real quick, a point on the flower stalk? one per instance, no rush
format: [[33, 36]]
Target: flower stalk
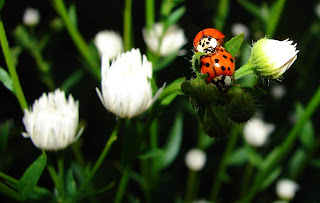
[[12, 69], [77, 38]]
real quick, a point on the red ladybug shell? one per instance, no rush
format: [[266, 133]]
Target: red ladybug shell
[[208, 32], [219, 63]]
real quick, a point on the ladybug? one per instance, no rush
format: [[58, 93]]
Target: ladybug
[[207, 40], [218, 66]]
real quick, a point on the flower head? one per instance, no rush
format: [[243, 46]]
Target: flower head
[[257, 131], [286, 189], [195, 159], [31, 17], [125, 86], [271, 58], [170, 41], [108, 43], [52, 122]]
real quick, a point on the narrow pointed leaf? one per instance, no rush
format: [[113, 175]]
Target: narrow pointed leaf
[[171, 91], [234, 44], [173, 144], [8, 191], [1, 4], [30, 178], [252, 8], [272, 177], [71, 186], [174, 17], [6, 80], [73, 15]]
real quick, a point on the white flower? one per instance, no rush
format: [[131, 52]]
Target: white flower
[[108, 43], [286, 189], [271, 58], [52, 122], [195, 159], [31, 17], [317, 9], [256, 132], [171, 42], [239, 28], [278, 91], [125, 85]]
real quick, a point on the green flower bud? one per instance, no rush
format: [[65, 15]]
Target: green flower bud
[[241, 107], [202, 93], [214, 121]]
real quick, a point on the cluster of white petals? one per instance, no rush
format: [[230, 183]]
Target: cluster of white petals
[[52, 121], [256, 132], [109, 43], [171, 40], [286, 189], [272, 58], [31, 17], [195, 159], [125, 84]]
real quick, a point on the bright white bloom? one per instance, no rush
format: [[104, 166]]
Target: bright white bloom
[[239, 28], [286, 189], [125, 85], [317, 9], [31, 17], [53, 121], [195, 159], [172, 39], [256, 132], [108, 43], [278, 91], [271, 58]]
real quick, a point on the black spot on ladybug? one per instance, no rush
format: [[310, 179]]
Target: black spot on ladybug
[[207, 64], [207, 42], [223, 68], [202, 45], [216, 60], [231, 60], [224, 56], [228, 68], [221, 50], [209, 39]]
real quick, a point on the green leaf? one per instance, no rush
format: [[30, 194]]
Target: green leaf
[[71, 186], [238, 157], [8, 191], [173, 143], [307, 135], [171, 91], [73, 15], [6, 80], [234, 44], [24, 38], [164, 62], [254, 158], [30, 178], [152, 154], [15, 52], [195, 61], [274, 16], [221, 14], [174, 17], [72, 80], [1, 4], [296, 162], [167, 6], [272, 177], [252, 8], [4, 134]]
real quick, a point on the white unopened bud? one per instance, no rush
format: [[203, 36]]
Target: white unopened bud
[[195, 159]]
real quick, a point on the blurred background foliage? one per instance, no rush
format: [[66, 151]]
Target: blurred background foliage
[[298, 22]]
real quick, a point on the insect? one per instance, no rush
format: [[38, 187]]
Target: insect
[[208, 40], [219, 66]]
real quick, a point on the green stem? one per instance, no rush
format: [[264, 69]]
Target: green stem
[[12, 69], [61, 174], [285, 147], [273, 18], [246, 179], [112, 138], [77, 38], [190, 187], [223, 163], [149, 13], [243, 71], [44, 69], [123, 184], [127, 29]]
